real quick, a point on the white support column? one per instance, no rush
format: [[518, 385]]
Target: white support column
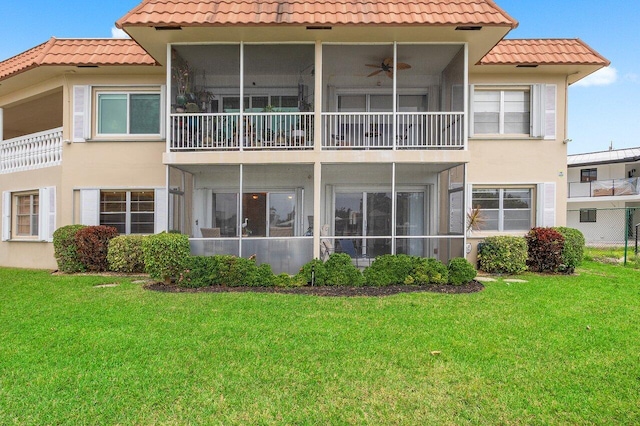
[[241, 123], [317, 108], [395, 96], [393, 207], [241, 221], [317, 207], [1, 124], [466, 97], [168, 122]]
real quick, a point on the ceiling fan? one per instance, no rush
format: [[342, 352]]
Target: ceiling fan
[[386, 66]]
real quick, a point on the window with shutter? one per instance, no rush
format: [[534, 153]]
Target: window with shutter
[[528, 111]]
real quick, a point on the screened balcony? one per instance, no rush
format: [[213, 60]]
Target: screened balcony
[[372, 97]]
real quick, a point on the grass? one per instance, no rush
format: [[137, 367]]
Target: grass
[[553, 350]]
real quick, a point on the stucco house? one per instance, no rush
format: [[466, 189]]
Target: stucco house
[[276, 128], [604, 195]]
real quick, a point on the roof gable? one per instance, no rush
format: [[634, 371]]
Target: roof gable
[[77, 52], [316, 12], [543, 52]]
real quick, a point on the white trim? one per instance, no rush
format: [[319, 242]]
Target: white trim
[[6, 215]]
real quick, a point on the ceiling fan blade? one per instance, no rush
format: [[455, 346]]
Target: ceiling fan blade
[[372, 65], [390, 74], [374, 73], [402, 66], [388, 61]]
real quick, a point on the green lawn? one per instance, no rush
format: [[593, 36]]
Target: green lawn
[[554, 350]]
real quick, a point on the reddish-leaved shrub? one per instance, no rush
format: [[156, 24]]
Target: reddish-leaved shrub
[[545, 249], [93, 245]]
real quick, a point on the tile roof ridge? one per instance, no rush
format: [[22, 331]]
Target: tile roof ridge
[[514, 22]]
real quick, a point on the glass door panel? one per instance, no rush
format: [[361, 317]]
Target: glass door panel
[[225, 208], [282, 212], [254, 211], [348, 214]]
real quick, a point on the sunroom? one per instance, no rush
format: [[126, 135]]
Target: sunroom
[[301, 96], [287, 214]]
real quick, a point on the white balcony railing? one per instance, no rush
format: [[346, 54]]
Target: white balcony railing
[[440, 130], [272, 130], [294, 130], [34, 151], [604, 188]]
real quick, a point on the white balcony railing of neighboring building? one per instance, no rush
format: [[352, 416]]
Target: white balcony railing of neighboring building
[[604, 188], [295, 130], [34, 151]]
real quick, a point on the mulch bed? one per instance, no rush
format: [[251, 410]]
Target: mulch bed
[[335, 291]]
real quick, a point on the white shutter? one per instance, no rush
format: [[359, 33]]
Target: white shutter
[[6, 216], [81, 113], [160, 210], [47, 216], [163, 122], [90, 207], [537, 110], [546, 215], [550, 111], [472, 89]]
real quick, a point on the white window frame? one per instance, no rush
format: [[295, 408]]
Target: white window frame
[[34, 218], [501, 209], [128, 211], [542, 110], [128, 91], [501, 110], [44, 220]]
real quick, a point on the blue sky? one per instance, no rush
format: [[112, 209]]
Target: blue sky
[[602, 109]]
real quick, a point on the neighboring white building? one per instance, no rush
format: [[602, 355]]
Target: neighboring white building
[[604, 195]]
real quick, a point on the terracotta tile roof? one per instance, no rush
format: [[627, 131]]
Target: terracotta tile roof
[[543, 52], [316, 12], [77, 52]]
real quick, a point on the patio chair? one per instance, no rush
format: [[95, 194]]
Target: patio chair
[[347, 246]]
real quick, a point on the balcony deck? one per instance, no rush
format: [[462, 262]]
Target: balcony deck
[[33, 151], [604, 188], [295, 131]]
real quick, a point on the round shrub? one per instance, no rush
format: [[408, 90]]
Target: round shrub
[[165, 255], [461, 271], [503, 255], [389, 269], [66, 250], [340, 271], [313, 272], [93, 244], [428, 270], [545, 249], [125, 254], [573, 250]]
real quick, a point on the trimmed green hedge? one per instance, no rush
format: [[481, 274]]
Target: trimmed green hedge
[[461, 271], [66, 249], [125, 254], [503, 254], [166, 255], [573, 250]]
